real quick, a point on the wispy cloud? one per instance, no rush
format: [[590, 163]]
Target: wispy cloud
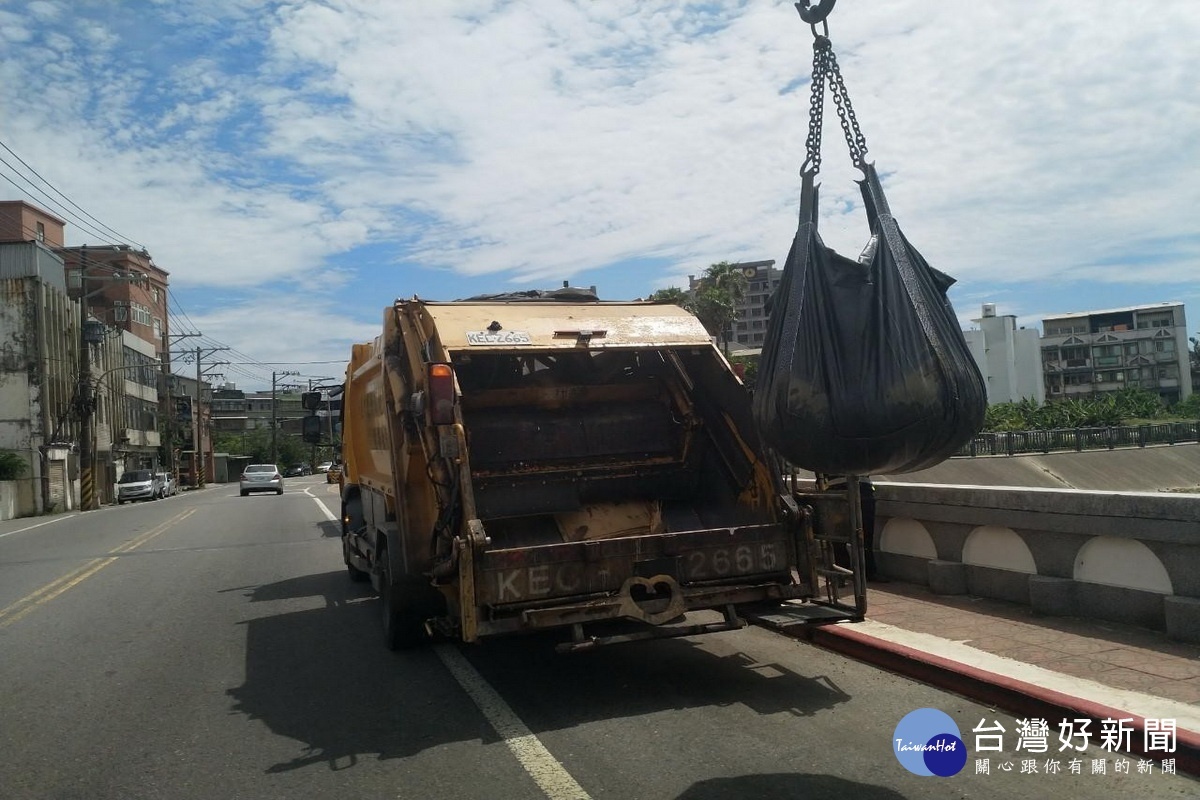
[[417, 148]]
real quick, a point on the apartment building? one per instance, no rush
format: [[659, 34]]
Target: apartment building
[[124, 288], [750, 326], [1143, 347]]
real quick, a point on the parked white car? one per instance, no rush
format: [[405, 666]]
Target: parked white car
[[138, 484], [166, 484]]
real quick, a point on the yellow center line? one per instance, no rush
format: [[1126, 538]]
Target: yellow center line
[[45, 594]]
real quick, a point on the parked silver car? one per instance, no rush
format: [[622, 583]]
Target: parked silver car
[[261, 478], [138, 484]]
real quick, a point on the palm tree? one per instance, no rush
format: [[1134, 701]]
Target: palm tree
[[721, 289], [677, 296]]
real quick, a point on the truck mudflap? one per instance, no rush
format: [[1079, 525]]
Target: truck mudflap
[[651, 579]]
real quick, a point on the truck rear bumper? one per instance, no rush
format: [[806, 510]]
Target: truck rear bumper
[[655, 601]]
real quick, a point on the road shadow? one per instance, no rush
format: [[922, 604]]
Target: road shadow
[[322, 676], [787, 786]]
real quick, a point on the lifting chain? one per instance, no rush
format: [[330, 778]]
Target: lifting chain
[[826, 70]]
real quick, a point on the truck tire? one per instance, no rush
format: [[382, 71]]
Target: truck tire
[[356, 574], [406, 602], [352, 518]]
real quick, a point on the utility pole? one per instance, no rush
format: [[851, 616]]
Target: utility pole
[[274, 415], [168, 414], [198, 416], [90, 332], [87, 480]]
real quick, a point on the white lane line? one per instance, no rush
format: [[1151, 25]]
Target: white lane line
[[40, 524], [547, 773], [329, 515]]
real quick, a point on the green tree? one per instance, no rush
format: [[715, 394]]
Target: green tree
[[677, 296], [721, 288], [256, 444], [749, 367], [1188, 409], [12, 466]]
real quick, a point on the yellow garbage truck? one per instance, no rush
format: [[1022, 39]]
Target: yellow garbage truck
[[545, 460]]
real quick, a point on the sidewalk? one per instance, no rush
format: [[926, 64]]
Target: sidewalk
[[1001, 653]]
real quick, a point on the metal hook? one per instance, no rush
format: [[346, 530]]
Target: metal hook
[[814, 15]]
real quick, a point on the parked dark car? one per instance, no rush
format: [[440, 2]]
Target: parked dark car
[[298, 470]]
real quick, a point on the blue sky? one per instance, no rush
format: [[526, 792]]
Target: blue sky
[[296, 166]]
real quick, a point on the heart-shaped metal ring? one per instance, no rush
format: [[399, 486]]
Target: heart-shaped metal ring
[[631, 608]]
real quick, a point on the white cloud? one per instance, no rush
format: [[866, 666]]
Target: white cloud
[[249, 144]]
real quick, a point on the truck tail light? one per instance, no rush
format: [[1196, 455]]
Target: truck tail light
[[441, 394]]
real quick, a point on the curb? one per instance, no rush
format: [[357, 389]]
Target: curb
[[994, 689]]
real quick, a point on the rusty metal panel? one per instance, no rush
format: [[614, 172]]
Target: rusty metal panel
[[610, 324]]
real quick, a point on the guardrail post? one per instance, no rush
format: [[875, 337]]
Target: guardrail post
[[1142, 435], [1108, 433]]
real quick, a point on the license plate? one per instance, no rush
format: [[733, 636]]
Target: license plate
[[498, 337], [743, 559], [539, 573]]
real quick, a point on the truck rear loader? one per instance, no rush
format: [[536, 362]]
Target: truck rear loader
[[550, 461]]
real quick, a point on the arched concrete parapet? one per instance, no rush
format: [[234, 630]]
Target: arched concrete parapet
[[1126, 563], [998, 547], [906, 537]]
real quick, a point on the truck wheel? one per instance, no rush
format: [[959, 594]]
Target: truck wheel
[[406, 604], [352, 519], [356, 574]]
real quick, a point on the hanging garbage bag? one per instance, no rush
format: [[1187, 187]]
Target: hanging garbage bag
[[864, 368]]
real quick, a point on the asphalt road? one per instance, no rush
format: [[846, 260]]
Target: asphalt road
[[211, 646]]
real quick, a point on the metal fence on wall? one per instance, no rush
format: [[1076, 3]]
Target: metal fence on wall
[[1009, 443]]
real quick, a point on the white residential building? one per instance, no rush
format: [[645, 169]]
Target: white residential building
[[1007, 356]]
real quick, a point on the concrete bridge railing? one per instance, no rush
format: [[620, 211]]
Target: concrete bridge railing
[[1125, 557]]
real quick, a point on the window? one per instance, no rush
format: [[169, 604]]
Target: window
[[1075, 353], [41, 232], [1164, 346], [140, 314]]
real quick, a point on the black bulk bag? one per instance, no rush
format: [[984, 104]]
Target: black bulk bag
[[864, 369]]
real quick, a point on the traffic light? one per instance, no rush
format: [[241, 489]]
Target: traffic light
[[311, 400], [310, 432]]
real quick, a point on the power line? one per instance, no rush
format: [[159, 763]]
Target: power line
[[58, 192]]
